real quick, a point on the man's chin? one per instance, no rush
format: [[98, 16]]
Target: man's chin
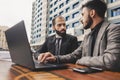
[[86, 27], [62, 32]]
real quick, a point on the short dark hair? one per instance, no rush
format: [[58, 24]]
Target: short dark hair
[[98, 5], [53, 21]]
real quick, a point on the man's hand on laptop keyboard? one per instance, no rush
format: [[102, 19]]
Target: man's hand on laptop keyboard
[[46, 57]]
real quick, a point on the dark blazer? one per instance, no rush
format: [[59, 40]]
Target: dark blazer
[[68, 45]]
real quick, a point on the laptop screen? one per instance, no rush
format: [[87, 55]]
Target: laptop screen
[[19, 46]]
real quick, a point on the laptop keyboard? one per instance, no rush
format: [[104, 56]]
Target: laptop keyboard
[[45, 64], [48, 65], [37, 64]]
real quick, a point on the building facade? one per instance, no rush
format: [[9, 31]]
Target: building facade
[[38, 29], [45, 10], [3, 43], [113, 12], [69, 9]]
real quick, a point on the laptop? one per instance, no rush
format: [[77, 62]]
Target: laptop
[[20, 50]]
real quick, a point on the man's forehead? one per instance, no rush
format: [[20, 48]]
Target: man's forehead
[[84, 9], [62, 22], [59, 19]]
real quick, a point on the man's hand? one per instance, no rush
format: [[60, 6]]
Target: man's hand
[[44, 57]]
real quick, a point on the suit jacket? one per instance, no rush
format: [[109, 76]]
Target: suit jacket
[[106, 52], [68, 45]]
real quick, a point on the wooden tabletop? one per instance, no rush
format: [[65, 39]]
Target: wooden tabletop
[[10, 71]]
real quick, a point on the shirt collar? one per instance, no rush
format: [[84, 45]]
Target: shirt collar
[[57, 36]]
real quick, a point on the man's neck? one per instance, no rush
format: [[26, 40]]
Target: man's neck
[[96, 21], [58, 36]]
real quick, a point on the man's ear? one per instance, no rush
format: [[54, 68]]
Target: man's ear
[[92, 13]]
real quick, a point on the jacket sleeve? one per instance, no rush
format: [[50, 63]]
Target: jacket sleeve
[[74, 43], [70, 58], [111, 55]]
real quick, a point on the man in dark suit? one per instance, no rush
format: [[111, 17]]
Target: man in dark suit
[[101, 47], [67, 43]]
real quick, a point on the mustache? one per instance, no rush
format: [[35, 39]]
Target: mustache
[[63, 30]]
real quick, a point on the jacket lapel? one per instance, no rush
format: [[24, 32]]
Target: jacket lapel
[[63, 45], [86, 45], [52, 45], [99, 36]]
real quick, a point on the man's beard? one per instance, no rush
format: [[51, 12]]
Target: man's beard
[[89, 23], [61, 34]]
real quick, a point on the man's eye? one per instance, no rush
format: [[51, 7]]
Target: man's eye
[[59, 24], [63, 24]]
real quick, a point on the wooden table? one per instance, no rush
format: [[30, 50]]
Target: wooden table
[[8, 71]]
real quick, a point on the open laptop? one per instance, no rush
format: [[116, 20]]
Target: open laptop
[[20, 50]]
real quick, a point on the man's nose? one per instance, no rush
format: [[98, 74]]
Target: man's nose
[[62, 26]]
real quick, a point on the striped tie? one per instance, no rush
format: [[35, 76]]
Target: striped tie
[[58, 43]]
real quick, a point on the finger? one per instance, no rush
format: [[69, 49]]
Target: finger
[[51, 59], [40, 57], [43, 59]]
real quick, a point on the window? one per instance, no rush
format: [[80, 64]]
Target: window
[[67, 18], [55, 15], [37, 25], [40, 13], [61, 13], [114, 1], [36, 36], [75, 5], [39, 29], [67, 26], [67, 1], [55, 9], [50, 25], [76, 14], [40, 19], [41, 3], [61, 5], [67, 9], [50, 32], [79, 32], [50, 18], [115, 12], [55, 2], [38, 1], [51, 5], [50, 12], [38, 6], [40, 24], [39, 35], [75, 24]]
